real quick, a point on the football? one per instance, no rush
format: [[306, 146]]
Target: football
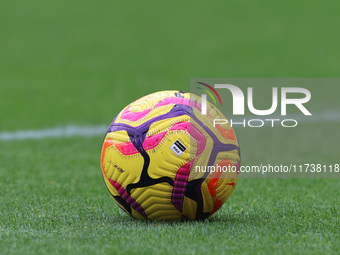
[[162, 159]]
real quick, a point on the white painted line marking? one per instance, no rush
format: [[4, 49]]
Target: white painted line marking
[[57, 132], [100, 130]]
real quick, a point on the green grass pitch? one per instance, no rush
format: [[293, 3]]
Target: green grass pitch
[[79, 63]]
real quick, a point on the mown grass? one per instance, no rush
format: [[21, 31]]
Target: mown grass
[[54, 201], [68, 62]]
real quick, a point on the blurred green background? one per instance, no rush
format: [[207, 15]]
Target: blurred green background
[[80, 62]]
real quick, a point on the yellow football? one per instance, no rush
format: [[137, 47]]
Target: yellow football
[[163, 160]]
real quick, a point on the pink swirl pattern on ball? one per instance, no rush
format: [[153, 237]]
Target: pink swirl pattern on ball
[[180, 185], [128, 198], [133, 116], [153, 141]]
